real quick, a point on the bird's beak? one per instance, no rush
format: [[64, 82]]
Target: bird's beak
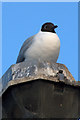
[[55, 26]]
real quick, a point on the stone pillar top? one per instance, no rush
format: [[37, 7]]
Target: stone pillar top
[[26, 71]]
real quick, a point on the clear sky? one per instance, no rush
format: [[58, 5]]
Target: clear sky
[[22, 20]]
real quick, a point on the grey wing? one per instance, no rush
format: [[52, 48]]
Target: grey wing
[[24, 47]]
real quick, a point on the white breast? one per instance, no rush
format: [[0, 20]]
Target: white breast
[[46, 46]]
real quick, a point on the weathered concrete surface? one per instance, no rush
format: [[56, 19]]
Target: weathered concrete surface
[[41, 90], [16, 74], [41, 99]]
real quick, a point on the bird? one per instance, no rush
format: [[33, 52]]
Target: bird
[[43, 46]]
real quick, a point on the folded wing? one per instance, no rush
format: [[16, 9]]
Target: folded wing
[[24, 47]]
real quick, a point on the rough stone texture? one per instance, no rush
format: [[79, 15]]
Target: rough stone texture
[[41, 90], [16, 74]]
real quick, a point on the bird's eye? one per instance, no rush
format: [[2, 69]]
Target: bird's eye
[[45, 26]]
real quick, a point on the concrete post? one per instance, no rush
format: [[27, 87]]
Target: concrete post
[[42, 90]]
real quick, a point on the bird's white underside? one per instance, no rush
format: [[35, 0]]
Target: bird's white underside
[[45, 47]]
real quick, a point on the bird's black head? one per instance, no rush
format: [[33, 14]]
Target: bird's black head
[[49, 27]]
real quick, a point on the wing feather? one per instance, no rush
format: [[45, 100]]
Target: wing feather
[[24, 47]]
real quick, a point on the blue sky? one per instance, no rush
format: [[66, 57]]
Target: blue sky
[[22, 20]]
